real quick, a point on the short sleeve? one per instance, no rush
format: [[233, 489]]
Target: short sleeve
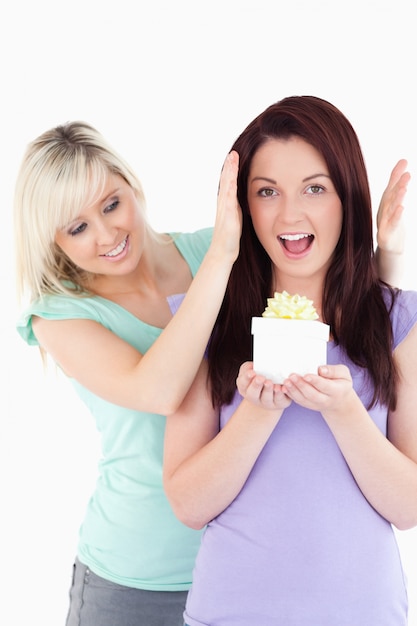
[[403, 315], [56, 307]]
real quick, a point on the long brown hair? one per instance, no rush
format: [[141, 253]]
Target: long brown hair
[[353, 304]]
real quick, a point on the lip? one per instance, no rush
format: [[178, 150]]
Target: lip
[[299, 237], [122, 253]]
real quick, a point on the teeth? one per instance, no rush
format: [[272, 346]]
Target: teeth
[[294, 237], [117, 250]]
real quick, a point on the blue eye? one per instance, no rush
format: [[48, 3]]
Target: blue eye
[[79, 229], [112, 206]]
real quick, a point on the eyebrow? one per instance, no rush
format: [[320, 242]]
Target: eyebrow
[[274, 182], [102, 199], [114, 192], [318, 175]]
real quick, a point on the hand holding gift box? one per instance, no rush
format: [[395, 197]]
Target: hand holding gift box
[[288, 338]]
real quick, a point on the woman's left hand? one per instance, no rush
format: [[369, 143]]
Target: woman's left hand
[[326, 391], [391, 230]]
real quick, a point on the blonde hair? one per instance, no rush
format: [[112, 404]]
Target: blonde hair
[[63, 170]]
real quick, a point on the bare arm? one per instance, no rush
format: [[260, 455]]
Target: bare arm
[[157, 381], [391, 232], [204, 469], [384, 468]]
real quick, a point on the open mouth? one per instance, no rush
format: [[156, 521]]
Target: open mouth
[[297, 243]]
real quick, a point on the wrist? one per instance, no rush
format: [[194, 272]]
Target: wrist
[[345, 410], [220, 257]]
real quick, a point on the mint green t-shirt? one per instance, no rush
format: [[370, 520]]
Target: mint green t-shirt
[[129, 534]]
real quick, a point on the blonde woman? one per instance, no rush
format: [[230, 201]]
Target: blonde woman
[[100, 281]]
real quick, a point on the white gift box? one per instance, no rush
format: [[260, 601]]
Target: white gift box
[[288, 346]]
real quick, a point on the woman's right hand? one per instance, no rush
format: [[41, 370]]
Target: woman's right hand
[[228, 224], [259, 390]]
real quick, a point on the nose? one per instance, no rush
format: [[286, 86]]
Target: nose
[[290, 210], [105, 233]]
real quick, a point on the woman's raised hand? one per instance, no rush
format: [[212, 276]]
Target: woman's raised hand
[[391, 232], [228, 224]]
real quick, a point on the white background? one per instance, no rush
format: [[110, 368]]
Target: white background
[[170, 84]]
